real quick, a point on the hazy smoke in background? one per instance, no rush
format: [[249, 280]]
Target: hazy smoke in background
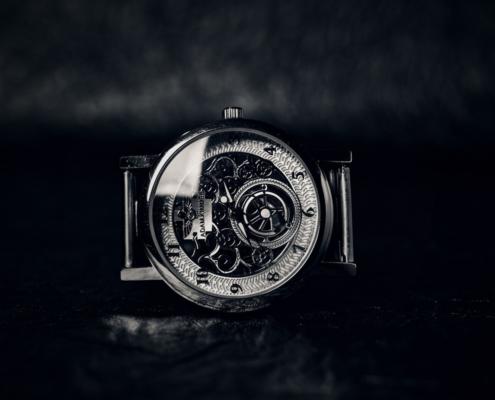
[[347, 65]]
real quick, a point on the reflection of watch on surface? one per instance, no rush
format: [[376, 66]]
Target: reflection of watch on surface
[[232, 218]]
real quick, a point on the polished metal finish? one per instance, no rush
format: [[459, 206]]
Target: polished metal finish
[[222, 291], [346, 211], [333, 242], [232, 113], [137, 162], [140, 274], [342, 263], [337, 169], [129, 214]]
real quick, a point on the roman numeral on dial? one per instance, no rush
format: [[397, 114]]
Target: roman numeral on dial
[[172, 250]]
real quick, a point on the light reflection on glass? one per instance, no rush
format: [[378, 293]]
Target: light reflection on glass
[[183, 171]]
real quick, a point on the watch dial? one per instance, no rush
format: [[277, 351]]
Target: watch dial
[[235, 214]]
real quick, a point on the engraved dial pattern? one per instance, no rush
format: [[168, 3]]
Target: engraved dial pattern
[[246, 230]]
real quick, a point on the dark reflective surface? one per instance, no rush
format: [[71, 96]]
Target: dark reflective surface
[[417, 322]]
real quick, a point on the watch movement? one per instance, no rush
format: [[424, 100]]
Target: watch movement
[[232, 217]]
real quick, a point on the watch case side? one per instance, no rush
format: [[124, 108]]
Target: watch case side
[[135, 169], [339, 260]]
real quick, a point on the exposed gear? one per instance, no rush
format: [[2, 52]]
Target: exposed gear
[[242, 222], [224, 166], [227, 261], [228, 238], [262, 256], [264, 168], [220, 212], [268, 213], [232, 184], [208, 185], [247, 171]]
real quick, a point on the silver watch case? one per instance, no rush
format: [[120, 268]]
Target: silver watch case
[[230, 304]]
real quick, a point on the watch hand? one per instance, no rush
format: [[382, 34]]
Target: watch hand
[[227, 192], [257, 218]]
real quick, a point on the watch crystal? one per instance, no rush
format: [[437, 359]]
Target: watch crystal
[[235, 213]]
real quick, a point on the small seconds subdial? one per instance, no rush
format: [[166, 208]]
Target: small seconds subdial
[[268, 213]]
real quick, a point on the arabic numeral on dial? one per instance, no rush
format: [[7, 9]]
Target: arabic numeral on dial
[[298, 174], [202, 277], [235, 288], [298, 248], [309, 212], [273, 276], [270, 150]]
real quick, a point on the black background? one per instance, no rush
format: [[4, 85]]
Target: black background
[[408, 86]]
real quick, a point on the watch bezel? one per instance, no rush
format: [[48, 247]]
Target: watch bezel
[[236, 304]]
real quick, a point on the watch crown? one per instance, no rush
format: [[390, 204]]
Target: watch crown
[[232, 112]]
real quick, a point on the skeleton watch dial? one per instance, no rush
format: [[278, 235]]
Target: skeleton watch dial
[[234, 214]]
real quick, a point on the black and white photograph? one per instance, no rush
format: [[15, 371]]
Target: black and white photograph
[[247, 199]]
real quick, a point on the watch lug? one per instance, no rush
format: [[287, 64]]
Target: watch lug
[[129, 217], [138, 162], [341, 251], [139, 274], [135, 171]]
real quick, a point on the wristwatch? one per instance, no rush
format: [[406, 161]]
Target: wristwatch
[[232, 217]]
